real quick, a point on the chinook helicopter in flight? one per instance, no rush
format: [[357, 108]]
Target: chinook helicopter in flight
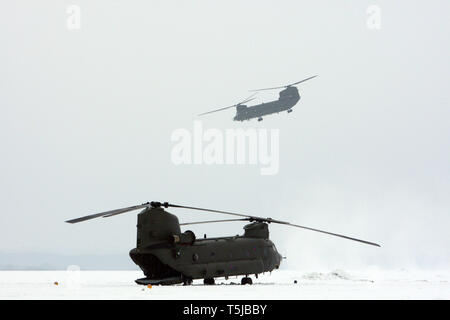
[[288, 98], [168, 256]]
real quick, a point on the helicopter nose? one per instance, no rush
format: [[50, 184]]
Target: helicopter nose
[[280, 258]]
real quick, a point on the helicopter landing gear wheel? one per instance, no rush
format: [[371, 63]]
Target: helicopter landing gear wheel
[[289, 111], [260, 119], [187, 281], [246, 280], [209, 281]]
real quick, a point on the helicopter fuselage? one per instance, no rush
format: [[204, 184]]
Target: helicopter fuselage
[[171, 257], [168, 256], [288, 98]]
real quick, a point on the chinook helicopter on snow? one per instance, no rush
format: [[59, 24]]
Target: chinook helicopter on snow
[[288, 98], [168, 256]]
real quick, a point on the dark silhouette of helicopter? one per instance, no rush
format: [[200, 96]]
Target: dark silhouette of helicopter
[[168, 256], [287, 99]]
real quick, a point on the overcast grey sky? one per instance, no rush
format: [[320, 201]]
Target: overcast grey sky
[[87, 115]]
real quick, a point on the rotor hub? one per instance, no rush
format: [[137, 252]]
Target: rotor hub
[[156, 204]]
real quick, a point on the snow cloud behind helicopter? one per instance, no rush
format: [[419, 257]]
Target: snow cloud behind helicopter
[[87, 116]]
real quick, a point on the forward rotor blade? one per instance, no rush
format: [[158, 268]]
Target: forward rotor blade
[[248, 99], [213, 221], [295, 83], [245, 101], [201, 114], [108, 213]]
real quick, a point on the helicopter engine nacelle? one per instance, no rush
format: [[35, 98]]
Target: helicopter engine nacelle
[[187, 237]]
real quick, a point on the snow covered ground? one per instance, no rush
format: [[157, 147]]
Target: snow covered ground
[[369, 284]]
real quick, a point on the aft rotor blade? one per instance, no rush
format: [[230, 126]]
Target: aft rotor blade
[[245, 101], [270, 220], [295, 83], [289, 85], [326, 232], [273, 88], [213, 221], [249, 98], [108, 213]]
